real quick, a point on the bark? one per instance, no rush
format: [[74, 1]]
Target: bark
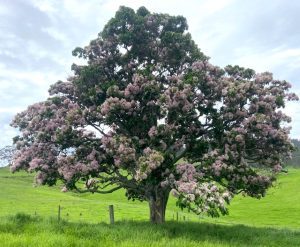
[[157, 204]]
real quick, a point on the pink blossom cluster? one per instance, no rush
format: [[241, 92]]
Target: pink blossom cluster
[[153, 132], [61, 87], [202, 198], [69, 168], [188, 172], [196, 194], [131, 90], [178, 99], [91, 183], [114, 104], [48, 117], [148, 162], [33, 157], [120, 148], [203, 66], [264, 78], [198, 66], [218, 166]]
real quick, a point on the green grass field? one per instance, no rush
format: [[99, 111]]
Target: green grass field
[[28, 217]]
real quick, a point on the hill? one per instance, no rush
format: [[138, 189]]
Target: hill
[[295, 161], [280, 208], [28, 217]]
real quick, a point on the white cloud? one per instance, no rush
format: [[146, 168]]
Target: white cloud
[[268, 59], [293, 110], [47, 6], [11, 109], [36, 51], [7, 133], [56, 34]]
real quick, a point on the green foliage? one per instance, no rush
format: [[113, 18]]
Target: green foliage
[[239, 71]]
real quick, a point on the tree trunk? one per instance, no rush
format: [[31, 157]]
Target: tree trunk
[[157, 204]]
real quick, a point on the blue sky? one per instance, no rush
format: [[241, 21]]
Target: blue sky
[[37, 37]]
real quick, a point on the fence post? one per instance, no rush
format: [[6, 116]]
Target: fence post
[[59, 209], [111, 214]]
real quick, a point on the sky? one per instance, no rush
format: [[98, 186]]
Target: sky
[[38, 36]]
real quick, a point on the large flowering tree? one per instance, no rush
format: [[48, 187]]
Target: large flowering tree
[[149, 114]]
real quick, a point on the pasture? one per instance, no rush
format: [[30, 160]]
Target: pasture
[[28, 217]]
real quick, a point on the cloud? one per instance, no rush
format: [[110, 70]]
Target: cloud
[[40, 35]]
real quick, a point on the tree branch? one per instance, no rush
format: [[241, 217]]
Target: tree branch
[[181, 155], [95, 127], [98, 191]]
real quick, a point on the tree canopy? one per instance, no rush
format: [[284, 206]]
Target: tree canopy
[[150, 114]]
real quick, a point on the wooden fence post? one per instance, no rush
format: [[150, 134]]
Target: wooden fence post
[[59, 209], [111, 214]]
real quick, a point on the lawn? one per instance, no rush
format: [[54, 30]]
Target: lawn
[[28, 217]]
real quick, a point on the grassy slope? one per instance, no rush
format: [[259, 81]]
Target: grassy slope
[[19, 195], [281, 208]]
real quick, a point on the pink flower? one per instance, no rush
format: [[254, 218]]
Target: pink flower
[[239, 138], [153, 131], [64, 189]]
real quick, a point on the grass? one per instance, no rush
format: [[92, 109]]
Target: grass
[[23, 230], [28, 217], [280, 208], [19, 195]]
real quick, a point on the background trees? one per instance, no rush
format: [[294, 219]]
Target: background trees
[[6, 155], [295, 161], [150, 114]]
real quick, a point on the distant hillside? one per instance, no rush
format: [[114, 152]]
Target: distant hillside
[[6, 154], [295, 162], [279, 208]]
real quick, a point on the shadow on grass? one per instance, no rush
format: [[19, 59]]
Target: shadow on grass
[[235, 235]]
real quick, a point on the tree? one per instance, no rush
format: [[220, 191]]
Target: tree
[[6, 155], [295, 160], [151, 115]]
